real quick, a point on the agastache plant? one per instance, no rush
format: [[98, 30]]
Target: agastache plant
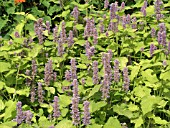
[[75, 101], [34, 69], [105, 87], [126, 79], [33, 93], [55, 34], [106, 3], [56, 110], [60, 48], [75, 13], [86, 117], [102, 28], [47, 23], [116, 71], [63, 35], [19, 117], [95, 72], [73, 69], [48, 73], [153, 32], [28, 80], [70, 39], [68, 75], [40, 93]]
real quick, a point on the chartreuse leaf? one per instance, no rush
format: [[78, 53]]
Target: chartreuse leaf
[[112, 123], [34, 52], [148, 102], [94, 90], [2, 105], [66, 101], [96, 106], [10, 107], [141, 91], [148, 75], [165, 75], [94, 126], [4, 66], [2, 84], [134, 72], [30, 17], [9, 124], [44, 122], [65, 124], [138, 122]]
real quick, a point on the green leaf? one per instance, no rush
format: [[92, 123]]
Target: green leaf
[[2, 23], [165, 75], [138, 122], [2, 84], [112, 123], [96, 106], [94, 126], [10, 10], [148, 102], [10, 124], [34, 52], [134, 72], [65, 124], [4, 66], [79, 27], [2, 106], [65, 13], [66, 101], [30, 17], [89, 81], [80, 42], [148, 75], [10, 90], [158, 120], [123, 61], [141, 91], [10, 107], [94, 90], [24, 92], [82, 66]]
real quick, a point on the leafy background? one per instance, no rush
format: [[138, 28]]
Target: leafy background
[[147, 102]]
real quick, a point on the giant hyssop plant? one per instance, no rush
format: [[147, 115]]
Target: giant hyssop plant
[[94, 64]]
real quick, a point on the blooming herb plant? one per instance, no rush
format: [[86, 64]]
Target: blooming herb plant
[[85, 64]]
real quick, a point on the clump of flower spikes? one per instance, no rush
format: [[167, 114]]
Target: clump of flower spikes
[[75, 101], [86, 118], [56, 110], [126, 79], [88, 31], [22, 115], [48, 72]]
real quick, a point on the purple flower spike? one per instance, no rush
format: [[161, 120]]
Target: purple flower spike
[[75, 13], [126, 79], [55, 34], [122, 6], [153, 32], [70, 39], [106, 3], [40, 93], [75, 101], [116, 71], [19, 117], [34, 69], [73, 69], [86, 118], [56, 110]]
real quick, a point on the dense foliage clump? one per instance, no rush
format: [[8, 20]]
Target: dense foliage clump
[[94, 64]]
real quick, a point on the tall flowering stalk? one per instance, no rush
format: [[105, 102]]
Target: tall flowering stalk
[[28, 80], [75, 13], [102, 28], [75, 101], [86, 117], [105, 87], [56, 110], [73, 69], [68, 75], [106, 3], [55, 34], [34, 69], [126, 79], [95, 36], [19, 118], [116, 71], [134, 23], [152, 49], [48, 26], [33, 93], [95, 72], [40, 93], [48, 73], [38, 28], [63, 35], [143, 8], [70, 39], [153, 32], [27, 116], [60, 48]]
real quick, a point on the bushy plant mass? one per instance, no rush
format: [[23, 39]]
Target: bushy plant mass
[[84, 64]]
